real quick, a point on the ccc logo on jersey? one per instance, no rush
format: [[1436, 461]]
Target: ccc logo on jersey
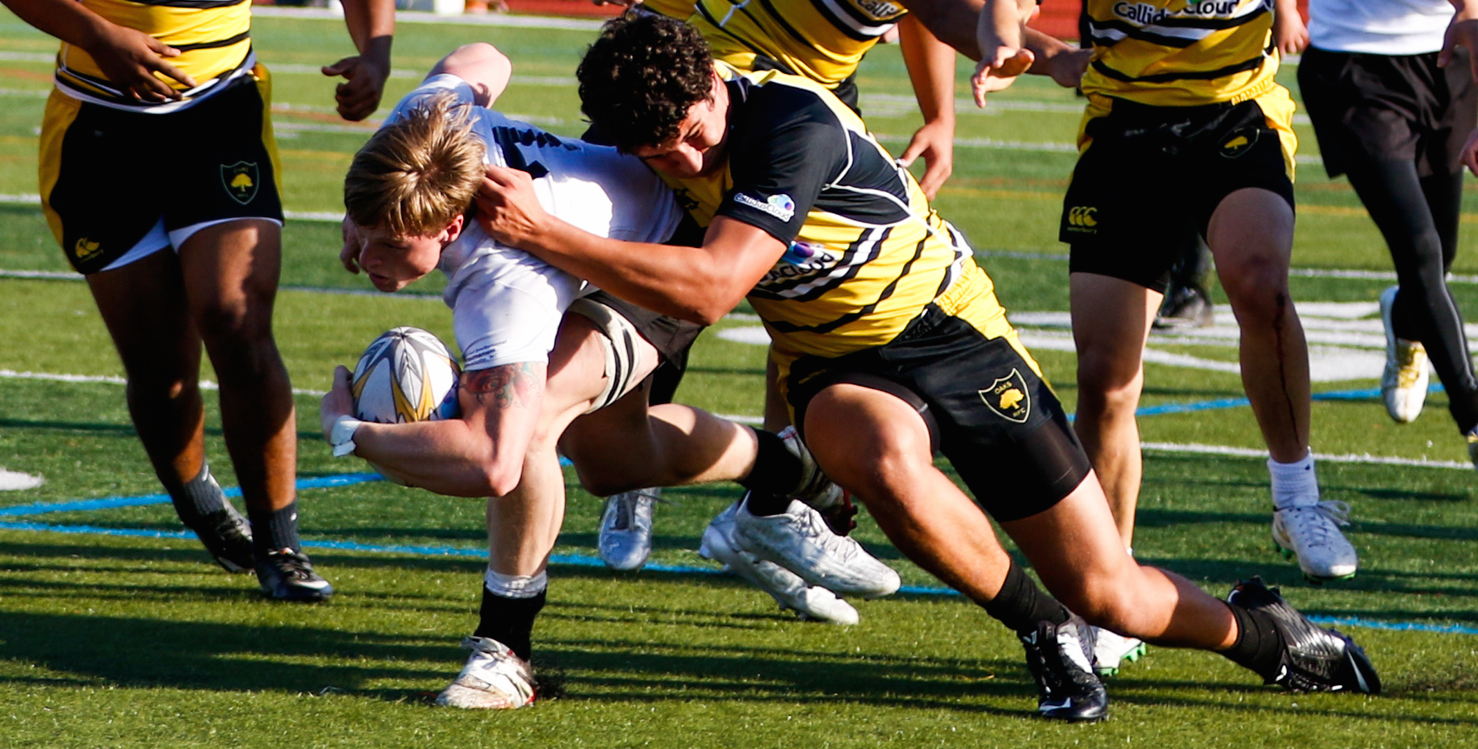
[[241, 181], [1009, 397], [1082, 218]]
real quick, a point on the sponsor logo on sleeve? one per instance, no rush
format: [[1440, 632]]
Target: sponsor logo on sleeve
[[780, 206]]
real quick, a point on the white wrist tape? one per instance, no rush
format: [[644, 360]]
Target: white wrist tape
[[341, 436]]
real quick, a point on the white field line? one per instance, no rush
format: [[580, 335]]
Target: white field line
[[112, 380], [1190, 448], [35, 199], [208, 385], [14, 481], [1247, 452]]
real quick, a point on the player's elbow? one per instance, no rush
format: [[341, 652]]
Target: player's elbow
[[713, 301]]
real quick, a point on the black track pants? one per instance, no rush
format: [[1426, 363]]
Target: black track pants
[[1419, 218]]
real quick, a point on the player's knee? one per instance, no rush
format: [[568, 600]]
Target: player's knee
[[502, 478], [1107, 382], [157, 385], [1102, 603], [237, 323], [603, 481]]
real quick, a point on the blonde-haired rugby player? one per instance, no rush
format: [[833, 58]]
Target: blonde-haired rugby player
[[536, 377]]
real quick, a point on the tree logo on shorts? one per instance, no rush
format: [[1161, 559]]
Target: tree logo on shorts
[[241, 181], [1241, 141], [1009, 397]]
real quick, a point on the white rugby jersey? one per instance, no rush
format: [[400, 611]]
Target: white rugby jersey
[[506, 304], [1379, 27]]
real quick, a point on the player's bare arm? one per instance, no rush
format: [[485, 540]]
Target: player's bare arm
[[482, 66], [371, 25], [1003, 55], [1290, 35], [931, 68], [130, 58], [1462, 32], [478, 455]]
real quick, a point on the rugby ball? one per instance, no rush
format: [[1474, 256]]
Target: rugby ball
[[406, 375]]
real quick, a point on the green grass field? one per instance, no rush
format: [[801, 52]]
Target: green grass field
[[115, 631]]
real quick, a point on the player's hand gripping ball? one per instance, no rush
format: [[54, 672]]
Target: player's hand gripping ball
[[406, 375]]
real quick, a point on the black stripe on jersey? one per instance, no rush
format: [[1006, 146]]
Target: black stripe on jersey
[[855, 315], [843, 26], [243, 36], [757, 51], [957, 241], [89, 82], [849, 262], [1189, 75], [854, 195], [509, 139], [197, 4], [1134, 32], [784, 24]]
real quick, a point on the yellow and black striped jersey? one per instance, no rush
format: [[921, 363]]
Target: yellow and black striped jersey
[[865, 252], [823, 40], [213, 37], [1181, 52], [679, 9]]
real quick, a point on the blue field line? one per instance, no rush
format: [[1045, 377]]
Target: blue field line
[[581, 560], [108, 503], [1220, 403]]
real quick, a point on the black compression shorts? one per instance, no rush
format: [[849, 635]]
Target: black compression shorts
[[999, 424]]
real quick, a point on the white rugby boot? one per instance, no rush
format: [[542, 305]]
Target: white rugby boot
[[800, 541], [1403, 383], [1312, 534], [787, 588], [625, 539], [818, 491], [1111, 650], [493, 679]]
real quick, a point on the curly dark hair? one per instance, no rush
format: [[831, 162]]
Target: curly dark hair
[[640, 78]]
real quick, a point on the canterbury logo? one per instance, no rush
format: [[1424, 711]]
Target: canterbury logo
[[1082, 215]]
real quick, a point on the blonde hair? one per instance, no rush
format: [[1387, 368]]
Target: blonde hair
[[417, 174]]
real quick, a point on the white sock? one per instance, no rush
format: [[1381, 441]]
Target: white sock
[[1294, 484], [515, 586]]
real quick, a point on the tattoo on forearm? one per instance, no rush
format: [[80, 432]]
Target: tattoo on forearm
[[508, 386]]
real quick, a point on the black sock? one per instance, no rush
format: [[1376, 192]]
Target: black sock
[[274, 529], [1258, 645], [198, 497], [1021, 604], [776, 469], [510, 620]]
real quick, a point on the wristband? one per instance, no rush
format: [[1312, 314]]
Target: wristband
[[341, 436]]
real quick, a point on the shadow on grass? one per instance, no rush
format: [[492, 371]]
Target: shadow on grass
[[140, 652]]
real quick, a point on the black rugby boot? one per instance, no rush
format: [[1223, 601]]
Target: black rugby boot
[[1312, 658], [1060, 657]]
